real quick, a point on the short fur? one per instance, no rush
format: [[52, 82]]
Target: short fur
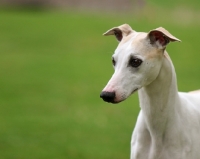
[[168, 125]]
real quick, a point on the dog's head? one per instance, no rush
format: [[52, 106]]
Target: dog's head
[[137, 60]]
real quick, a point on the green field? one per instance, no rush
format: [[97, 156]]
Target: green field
[[53, 66]]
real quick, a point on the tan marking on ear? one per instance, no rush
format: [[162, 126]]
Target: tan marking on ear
[[120, 32], [169, 35], [125, 29], [166, 33]]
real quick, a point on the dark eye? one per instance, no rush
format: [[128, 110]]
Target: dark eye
[[135, 62], [113, 61]]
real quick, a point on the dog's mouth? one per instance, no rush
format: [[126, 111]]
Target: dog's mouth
[[111, 98], [135, 90], [115, 102]]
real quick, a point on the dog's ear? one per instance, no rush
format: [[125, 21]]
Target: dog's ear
[[120, 31], [160, 37]]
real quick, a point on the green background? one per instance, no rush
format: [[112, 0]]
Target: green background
[[53, 66]]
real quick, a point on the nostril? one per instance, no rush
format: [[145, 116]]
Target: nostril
[[107, 96]]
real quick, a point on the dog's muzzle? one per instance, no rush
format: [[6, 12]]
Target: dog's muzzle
[[108, 96]]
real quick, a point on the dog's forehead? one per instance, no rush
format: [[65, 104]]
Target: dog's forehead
[[132, 44], [134, 37]]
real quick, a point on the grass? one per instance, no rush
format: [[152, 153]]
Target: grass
[[53, 66]]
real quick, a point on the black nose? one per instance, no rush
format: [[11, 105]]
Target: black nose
[[108, 96]]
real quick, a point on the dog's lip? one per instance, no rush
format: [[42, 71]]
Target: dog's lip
[[115, 102], [134, 90]]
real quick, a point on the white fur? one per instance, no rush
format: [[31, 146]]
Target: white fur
[[168, 125]]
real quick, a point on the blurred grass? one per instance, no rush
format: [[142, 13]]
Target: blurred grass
[[53, 66]]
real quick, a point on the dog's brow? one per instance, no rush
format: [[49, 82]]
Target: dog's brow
[[135, 55]]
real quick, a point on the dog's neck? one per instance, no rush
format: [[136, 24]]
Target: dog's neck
[[158, 100]]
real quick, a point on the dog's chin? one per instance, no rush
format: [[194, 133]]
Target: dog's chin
[[116, 101]]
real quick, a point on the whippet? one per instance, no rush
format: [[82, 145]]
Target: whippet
[[168, 125]]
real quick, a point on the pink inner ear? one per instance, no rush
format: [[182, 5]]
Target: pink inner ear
[[118, 35], [160, 38]]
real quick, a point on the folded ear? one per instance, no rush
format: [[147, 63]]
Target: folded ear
[[120, 31], [160, 37]]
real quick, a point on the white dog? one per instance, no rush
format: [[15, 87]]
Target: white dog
[[168, 125]]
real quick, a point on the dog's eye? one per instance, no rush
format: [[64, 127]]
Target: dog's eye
[[113, 61], [135, 62]]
